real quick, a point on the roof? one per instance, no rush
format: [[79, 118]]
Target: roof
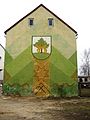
[[84, 76], [35, 10], [2, 47]]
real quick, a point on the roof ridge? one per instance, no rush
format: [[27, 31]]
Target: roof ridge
[[35, 10]]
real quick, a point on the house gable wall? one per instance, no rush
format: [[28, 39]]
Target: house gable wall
[[19, 62], [24, 32]]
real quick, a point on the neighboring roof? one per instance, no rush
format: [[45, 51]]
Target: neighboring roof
[[35, 10], [2, 47], [84, 76]]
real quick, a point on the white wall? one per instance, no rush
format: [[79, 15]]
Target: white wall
[[1, 62]]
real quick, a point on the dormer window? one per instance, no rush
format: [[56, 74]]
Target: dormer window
[[50, 22], [31, 21]]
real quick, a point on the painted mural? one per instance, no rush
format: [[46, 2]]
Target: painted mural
[[41, 60], [41, 47]]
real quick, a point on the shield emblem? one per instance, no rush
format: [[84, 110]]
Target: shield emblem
[[41, 47]]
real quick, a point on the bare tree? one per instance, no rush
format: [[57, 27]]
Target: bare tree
[[85, 63]]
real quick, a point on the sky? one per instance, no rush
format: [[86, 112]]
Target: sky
[[73, 12]]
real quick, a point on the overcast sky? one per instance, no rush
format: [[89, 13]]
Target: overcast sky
[[73, 12]]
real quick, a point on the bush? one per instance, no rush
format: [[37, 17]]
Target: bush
[[16, 90], [64, 90]]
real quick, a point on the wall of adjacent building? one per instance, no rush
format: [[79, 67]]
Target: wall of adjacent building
[[1, 63]]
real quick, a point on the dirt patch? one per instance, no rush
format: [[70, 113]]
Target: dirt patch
[[30, 108]]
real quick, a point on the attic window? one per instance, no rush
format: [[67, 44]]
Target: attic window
[[31, 21], [50, 22]]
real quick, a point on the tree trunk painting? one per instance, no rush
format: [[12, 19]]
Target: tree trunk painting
[[41, 81]]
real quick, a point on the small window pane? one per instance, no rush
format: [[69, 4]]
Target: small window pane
[[85, 79], [31, 22], [50, 22], [80, 80]]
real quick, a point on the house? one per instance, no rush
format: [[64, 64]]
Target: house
[[84, 79], [2, 51], [1, 62], [84, 86], [0, 68], [0, 77], [41, 56]]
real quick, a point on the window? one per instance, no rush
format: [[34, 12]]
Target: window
[[50, 22], [31, 21], [85, 79], [80, 80]]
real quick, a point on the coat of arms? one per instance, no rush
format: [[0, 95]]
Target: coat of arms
[[41, 47]]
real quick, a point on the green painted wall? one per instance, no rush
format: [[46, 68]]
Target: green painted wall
[[19, 68]]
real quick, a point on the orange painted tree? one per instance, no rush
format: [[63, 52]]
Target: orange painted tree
[[41, 46]]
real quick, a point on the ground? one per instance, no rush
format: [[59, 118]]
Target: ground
[[31, 108]]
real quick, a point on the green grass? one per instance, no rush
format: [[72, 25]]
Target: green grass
[[64, 90], [41, 55]]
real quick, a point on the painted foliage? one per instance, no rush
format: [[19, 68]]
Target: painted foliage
[[41, 47], [41, 59]]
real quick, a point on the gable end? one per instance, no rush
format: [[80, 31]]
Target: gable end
[[47, 10]]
